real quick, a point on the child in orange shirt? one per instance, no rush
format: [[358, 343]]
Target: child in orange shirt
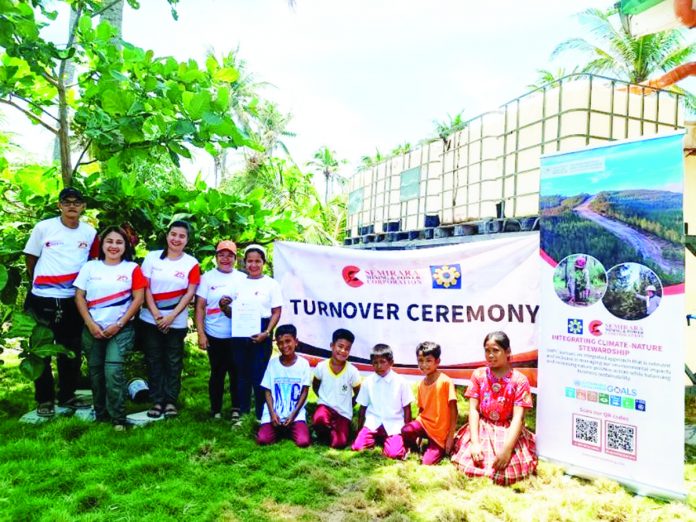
[[437, 405]]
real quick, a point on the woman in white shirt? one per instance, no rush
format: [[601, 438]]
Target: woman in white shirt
[[215, 329], [109, 292], [172, 277], [251, 354]]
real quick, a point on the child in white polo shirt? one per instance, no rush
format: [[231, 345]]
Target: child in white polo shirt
[[336, 382], [385, 406]]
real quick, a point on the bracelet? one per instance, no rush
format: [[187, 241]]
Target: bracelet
[[119, 324]]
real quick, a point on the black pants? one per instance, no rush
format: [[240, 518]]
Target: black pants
[[221, 365], [164, 355], [62, 317]]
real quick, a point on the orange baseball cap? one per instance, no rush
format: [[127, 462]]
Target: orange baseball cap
[[226, 245]]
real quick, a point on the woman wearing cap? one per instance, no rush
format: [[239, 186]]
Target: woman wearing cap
[[215, 329], [652, 300], [251, 354], [172, 276]]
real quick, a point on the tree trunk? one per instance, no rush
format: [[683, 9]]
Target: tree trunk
[[114, 15], [64, 136], [69, 76]]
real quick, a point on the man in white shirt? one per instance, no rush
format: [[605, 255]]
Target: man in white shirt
[[54, 253]]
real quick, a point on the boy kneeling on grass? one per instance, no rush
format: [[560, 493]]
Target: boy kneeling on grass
[[286, 385], [385, 406], [437, 406], [335, 382]]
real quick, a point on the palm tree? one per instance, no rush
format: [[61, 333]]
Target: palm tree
[[326, 163], [243, 98], [623, 56], [547, 77], [367, 162], [444, 129], [404, 148]]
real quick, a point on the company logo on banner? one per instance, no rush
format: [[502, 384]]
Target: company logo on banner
[[451, 295], [446, 276], [612, 288], [350, 276]]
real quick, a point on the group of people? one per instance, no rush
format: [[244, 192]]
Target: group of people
[[494, 443], [91, 307]]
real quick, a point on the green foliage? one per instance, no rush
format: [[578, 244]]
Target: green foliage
[[567, 233], [118, 197], [612, 50], [654, 211], [325, 163], [453, 124], [126, 104], [278, 184], [625, 283]]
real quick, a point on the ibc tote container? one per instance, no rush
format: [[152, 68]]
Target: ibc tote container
[[495, 158]]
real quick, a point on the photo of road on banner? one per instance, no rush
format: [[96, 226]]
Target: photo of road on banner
[[634, 291], [616, 208], [580, 280]]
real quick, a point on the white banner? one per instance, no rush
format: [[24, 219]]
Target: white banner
[[451, 295], [611, 358]]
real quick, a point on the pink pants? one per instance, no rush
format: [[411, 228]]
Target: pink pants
[[413, 431], [393, 444], [297, 431], [330, 425]]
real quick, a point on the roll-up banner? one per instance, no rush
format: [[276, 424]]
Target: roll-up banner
[[451, 295], [611, 347]]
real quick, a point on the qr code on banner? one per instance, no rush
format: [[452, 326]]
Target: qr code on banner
[[587, 432], [621, 440]]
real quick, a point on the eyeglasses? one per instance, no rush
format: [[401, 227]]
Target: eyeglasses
[[71, 202]]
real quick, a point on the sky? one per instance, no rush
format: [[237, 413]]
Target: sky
[[625, 166], [363, 75]]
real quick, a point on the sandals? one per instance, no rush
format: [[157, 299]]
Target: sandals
[[45, 409], [155, 412], [170, 411]]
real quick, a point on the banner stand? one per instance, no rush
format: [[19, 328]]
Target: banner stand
[[611, 332]]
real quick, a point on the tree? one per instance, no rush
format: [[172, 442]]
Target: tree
[[615, 52], [367, 162], [243, 108], [325, 162], [127, 103], [444, 129], [547, 77]]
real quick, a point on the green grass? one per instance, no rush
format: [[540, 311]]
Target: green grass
[[194, 468]]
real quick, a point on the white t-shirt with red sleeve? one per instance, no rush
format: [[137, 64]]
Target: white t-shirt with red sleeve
[[109, 289], [214, 285], [61, 252], [169, 280]]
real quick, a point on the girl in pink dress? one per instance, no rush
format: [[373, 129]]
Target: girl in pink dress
[[495, 443]]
